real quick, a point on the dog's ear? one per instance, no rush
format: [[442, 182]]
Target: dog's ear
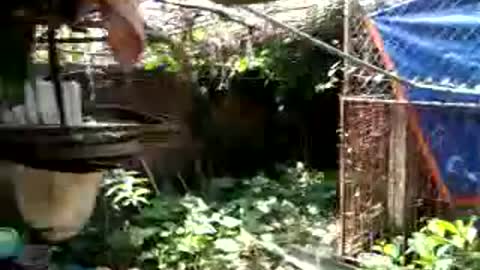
[[125, 27]]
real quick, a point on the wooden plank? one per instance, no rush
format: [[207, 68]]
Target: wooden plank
[[72, 95], [397, 169], [46, 104], [31, 111], [47, 107]]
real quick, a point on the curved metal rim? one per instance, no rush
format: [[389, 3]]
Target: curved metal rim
[[98, 126], [68, 152]]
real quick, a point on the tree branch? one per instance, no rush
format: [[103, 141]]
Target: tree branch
[[221, 13]]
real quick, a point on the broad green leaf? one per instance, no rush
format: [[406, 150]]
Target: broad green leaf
[[436, 240], [391, 250], [230, 222], [203, 229], [131, 173], [242, 65], [422, 245], [112, 190], [119, 197], [199, 34], [143, 200], [444, 264], [458, 241], [265, 206], [141, 191], [190, 244], [265, 52], [443, 250], [378, 248], [227, 245], [460, 225], [435, 226], [152, 65], [195, 204], [165, 234], [471, 235], [180, 230], [267, 237]]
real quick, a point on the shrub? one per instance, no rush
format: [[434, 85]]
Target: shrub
[[440, 245], [233, 233]]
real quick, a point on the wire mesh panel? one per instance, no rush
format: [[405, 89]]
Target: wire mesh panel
[[365, 155], [431, 42], [361, 43]]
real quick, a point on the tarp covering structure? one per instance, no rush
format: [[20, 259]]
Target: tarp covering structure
[[438, 41]]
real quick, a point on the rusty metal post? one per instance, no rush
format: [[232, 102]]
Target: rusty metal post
[[345, 87]]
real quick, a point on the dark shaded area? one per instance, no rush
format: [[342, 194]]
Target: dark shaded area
[[245, 130]]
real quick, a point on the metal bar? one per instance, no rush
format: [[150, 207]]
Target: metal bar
[[412, 102], [345, 90]]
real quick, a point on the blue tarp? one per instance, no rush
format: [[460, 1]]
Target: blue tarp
[[439, 41]]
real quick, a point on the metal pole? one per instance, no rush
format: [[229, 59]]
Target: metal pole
[[345, 88]]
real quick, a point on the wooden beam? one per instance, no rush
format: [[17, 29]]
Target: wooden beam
[[397, 168]]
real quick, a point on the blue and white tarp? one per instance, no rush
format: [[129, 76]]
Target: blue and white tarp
[[439, 41]]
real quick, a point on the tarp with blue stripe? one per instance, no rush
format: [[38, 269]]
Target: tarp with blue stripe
[[439, 41]]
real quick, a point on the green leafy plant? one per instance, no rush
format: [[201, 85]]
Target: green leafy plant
[[291, 210], [440, 245], [188, 234], [126, 189], [238, 231]]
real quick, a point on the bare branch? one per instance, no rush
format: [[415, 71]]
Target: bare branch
[[220, 12]]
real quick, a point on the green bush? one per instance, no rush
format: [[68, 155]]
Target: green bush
[[440, 245], [233, 233]]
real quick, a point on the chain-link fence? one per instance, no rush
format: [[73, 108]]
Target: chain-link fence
[[408, 151], [431, 42]]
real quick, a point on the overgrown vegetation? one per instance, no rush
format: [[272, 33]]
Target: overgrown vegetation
[[240, 231], [440, 245], [285, 79], [216, 61]]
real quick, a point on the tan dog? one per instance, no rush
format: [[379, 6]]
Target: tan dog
[[61, 203]]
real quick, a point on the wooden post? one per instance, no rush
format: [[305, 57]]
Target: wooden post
[[397, 169]]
